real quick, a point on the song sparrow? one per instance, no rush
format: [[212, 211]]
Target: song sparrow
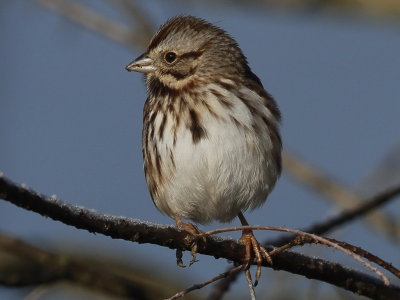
[[211, 143]]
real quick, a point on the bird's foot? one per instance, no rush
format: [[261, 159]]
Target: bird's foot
[[188, 227], [256, 250], [197, 241]]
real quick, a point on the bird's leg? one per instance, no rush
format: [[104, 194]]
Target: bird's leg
[[195, 232], [253, 247], [188, 227]]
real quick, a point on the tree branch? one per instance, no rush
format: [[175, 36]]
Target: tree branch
[[89, 19], [39, 266], [343, 197], [169, 236], [365, 207]]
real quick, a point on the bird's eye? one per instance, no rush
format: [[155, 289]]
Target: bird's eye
[[170, 57]]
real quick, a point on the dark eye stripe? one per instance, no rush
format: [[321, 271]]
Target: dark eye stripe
[[192, 54]]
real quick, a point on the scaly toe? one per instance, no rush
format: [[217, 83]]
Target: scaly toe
[[254, 249], [266, 255], [197, 238], [179, 261], [193, 252]]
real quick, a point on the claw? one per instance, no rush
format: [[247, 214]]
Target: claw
[[193, 252], [253, 249], [179, 261], [198, 238], [250, 284]]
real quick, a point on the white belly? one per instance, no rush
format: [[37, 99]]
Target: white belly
[[230, 170]]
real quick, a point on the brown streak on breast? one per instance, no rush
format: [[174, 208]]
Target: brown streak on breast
[[162, 127], [195, 127]]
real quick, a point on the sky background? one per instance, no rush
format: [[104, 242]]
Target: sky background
[[71, 121]]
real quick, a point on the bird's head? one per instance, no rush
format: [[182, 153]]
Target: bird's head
[[187, 49]]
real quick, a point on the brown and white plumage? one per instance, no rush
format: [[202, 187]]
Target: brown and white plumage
[[211, 143]]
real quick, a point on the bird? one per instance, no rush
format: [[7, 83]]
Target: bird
[[211, 141]]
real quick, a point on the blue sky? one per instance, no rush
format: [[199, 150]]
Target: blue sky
[[71, 119]]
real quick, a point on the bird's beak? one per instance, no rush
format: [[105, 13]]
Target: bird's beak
[[143, 64]]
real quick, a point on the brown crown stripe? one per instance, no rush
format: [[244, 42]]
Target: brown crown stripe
[[179, 23], [161, 35], [198, 132]]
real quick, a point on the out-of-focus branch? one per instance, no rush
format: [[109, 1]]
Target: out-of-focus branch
[[338, 194], [371, 8], [87, 18], [168, 236], [143, 25], [385, 174], [223, 286], [40, 266], [364, 207], [205, 283]]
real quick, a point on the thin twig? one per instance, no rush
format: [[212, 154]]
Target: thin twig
[[310, 235], [301, 240], [371, 257], [205, 283], [365, 207], [222, 286]]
